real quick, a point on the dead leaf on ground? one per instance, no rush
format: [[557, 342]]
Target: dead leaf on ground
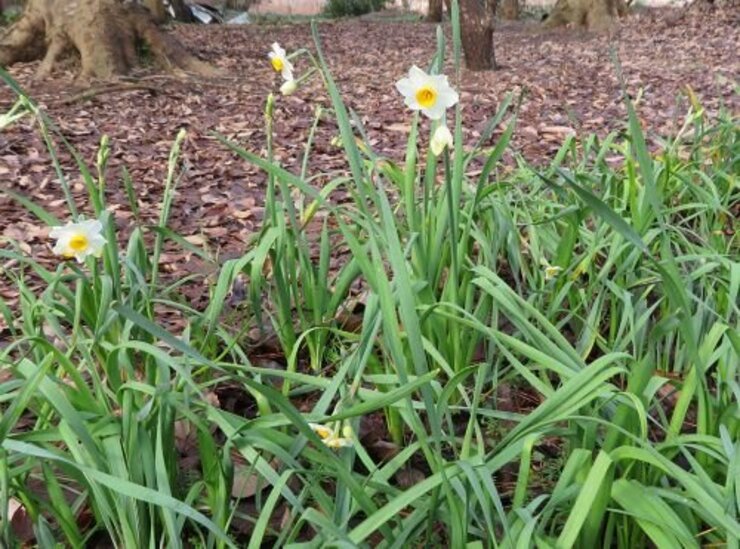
[[20, 521]]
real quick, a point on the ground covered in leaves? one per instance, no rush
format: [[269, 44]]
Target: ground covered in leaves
[[568, 80]]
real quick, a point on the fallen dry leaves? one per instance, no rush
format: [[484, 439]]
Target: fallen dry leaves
[[570, 86]]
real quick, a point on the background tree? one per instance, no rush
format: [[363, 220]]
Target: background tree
[[595, 15], [476, 22], [157, 9], [508, 9], [436, 11], [104, 33]]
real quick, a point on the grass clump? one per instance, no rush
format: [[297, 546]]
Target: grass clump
[[544, 357]]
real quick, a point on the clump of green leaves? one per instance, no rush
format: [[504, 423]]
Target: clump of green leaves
[[352, 8]]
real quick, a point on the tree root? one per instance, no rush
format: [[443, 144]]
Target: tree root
[[92, 93], [106, 35]]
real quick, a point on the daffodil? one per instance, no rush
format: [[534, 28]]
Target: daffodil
[[323, 431], [330, 437], [279, 62], [429, 93], [289, 87], [441, 140], [79, 240], [551, 271], [337, 442]]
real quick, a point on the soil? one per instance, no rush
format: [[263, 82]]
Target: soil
[[569, 83]]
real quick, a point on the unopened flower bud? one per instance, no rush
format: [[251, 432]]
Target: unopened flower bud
[[289, 87], [441, 140]]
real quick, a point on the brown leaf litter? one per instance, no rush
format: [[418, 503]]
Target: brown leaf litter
[[569, 83]]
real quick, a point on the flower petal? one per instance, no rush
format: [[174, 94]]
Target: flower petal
[[448, 97], [91, 226], [415, 73], [337, 442], [435, 112], [411, 102], [59, 248], [287, 72], [97, 243], [405, 87], [56, 232]]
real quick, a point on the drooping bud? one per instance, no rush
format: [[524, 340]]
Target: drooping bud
[[441, 139], [289, 87]]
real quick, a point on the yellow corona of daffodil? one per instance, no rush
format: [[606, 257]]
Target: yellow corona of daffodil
[[429, 93], [79, 240], [279, 62], [323, 431]]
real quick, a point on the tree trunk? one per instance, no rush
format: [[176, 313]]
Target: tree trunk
[[436, 11], [508, 9], [595, 15], [476, 26], [104, 33], [182, 13], [157, 9]]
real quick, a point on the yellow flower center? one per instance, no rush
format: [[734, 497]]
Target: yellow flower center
[[79, 243], [322, 431], [426, 96], [277, 63]]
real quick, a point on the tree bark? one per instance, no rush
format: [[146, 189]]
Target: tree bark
[[157, 9], [104, 33], [182, 13], [436, 11], [476, 25], [595, 15], [508, 9]]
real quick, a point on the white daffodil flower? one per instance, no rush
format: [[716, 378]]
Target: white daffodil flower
[[441, 139], [79, 240], [552, 271], [279, 61], [330, 437], [289, 87], [430, 94], [337, 442]]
